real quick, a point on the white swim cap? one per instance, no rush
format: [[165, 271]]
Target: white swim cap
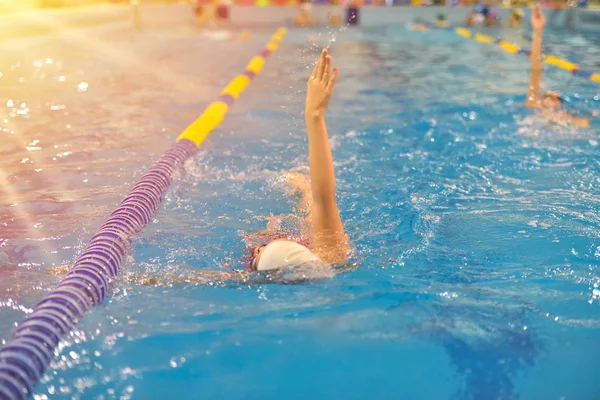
[[285, 254], [478, 19]]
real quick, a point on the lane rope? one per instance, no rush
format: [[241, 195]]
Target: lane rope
[[25, 357], [512, 48]]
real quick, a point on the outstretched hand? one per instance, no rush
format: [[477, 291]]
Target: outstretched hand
[[538, 21], [320, 87]]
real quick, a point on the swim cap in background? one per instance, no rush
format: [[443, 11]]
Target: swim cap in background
[[518, 12], [285, 254], [306, 6], [553, 94], [441, 17]]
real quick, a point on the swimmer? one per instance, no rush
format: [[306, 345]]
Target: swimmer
[[221, 12], [482, 11], [482, 15], [550, 104], [199, 12], [277, 254], [474, 18], [305, 17], [441, 20], [204, 15], [216, 13], [419, 28], [334, 19], [516, 18], [481, 8], [492, 18], [440, 23]]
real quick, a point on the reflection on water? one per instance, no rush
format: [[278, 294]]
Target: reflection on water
[[474, 226]]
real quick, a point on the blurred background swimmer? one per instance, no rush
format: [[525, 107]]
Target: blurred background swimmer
[[550, 103], [441, 21], [515, 20], [222, 12], [216, 12], [334, 19], [492, 19], [305, 17], [418, 27], [482, 15], [474, 18], [478, 14], [199, 12], [312, 245]]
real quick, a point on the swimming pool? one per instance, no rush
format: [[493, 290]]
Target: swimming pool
[[475, 226]]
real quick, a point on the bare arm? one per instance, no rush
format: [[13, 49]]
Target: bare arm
[[535, 80], [580, 122], [191, 277], [328, 235]]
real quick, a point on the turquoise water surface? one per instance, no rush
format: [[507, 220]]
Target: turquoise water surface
[[474, 223]]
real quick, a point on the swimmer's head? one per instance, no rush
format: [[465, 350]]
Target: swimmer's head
[[281, 253], [441, 17], [517, 14], [476, 18], [552, 99], [492, 19]]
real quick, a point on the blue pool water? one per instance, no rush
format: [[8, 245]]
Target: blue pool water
[[475, 225]]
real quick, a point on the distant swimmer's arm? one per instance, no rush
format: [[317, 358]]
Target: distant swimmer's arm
[[581, 122], [565, 118], [468, 19], [191, 277], [419, 28], [204, 277], [537, 21], [330, 242]]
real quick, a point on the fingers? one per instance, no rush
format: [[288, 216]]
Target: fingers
[[331, 83], [315, 72], [317, 68], [326, 69], [321, 64], [322, 70]]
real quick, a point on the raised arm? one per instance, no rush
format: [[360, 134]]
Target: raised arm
[[330, 242], [535, 80]]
